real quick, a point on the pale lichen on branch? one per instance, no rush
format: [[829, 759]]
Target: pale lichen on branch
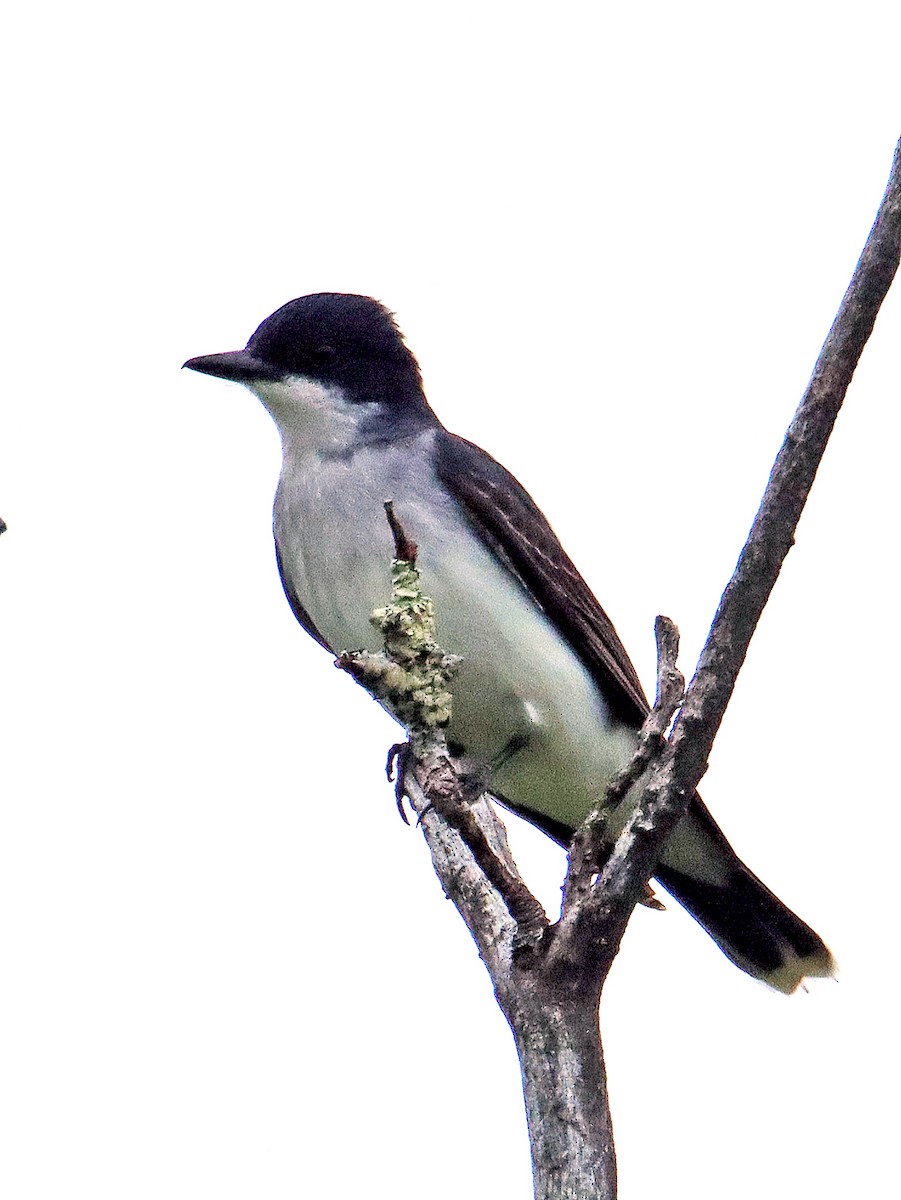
[[412, 676]]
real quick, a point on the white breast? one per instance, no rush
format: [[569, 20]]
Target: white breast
[[518, 678]]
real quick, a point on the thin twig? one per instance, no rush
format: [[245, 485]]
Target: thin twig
[[405, 549], [586, 851], [670, 690]]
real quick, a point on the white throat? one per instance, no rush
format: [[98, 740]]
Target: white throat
[[312, 418]]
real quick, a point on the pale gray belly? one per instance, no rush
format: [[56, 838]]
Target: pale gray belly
[[518, 680]]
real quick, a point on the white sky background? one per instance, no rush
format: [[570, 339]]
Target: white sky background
[[615, 239]]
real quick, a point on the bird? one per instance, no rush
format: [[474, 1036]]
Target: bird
[[546, 701]]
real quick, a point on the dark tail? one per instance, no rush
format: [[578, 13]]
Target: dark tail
[[751, 926]]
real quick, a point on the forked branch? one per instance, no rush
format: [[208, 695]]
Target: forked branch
[[550, 994]]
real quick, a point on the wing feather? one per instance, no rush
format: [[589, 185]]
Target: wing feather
[[509, 522]]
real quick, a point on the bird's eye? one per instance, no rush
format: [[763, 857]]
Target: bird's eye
[[322, 356]]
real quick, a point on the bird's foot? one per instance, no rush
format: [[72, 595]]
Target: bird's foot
[[398, 763]]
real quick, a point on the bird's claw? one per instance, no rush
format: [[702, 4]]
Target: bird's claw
[[396, 770]]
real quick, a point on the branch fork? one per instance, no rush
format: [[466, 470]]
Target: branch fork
[[550, 991]]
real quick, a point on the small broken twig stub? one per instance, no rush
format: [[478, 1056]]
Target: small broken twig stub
[[404, 548]]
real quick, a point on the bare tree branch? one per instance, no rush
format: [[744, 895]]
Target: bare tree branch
[[463, 879], [442, 791], [550, 996]]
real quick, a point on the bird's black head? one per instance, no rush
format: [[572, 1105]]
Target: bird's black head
[[348, 341], [323, 335]]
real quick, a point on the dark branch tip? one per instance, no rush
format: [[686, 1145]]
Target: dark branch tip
[[405, 549]]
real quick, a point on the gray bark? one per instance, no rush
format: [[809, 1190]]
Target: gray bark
[[565, 1089], [548, 978]]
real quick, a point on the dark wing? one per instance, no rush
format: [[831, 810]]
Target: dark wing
[[509, 522], [297, 608]]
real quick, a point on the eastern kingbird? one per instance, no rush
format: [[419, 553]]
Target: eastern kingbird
[[546, 701]]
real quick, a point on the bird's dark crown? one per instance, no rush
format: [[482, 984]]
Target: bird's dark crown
[[334, 337]]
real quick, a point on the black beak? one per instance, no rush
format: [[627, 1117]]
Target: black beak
[[239, 365]]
